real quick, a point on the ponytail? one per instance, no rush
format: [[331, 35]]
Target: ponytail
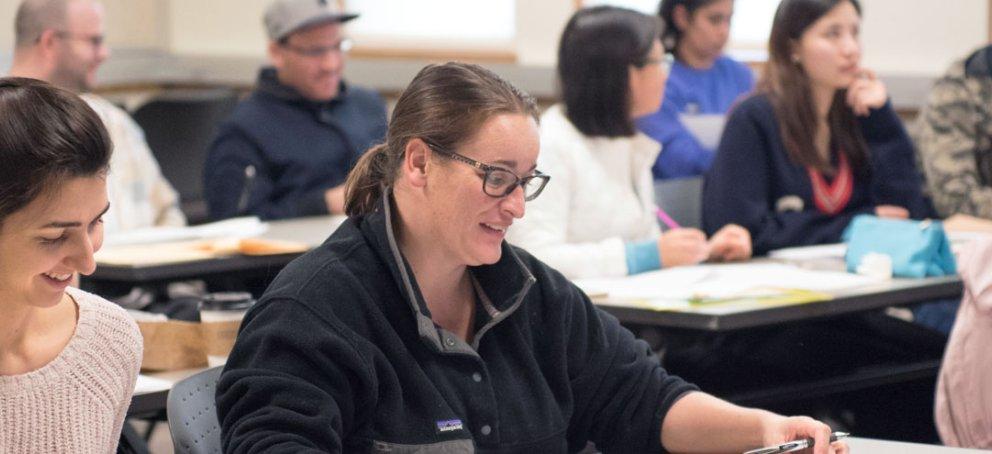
[[365, 182]]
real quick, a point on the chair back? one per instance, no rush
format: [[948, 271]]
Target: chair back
[[682, 199], [179, 126], [192, 414]]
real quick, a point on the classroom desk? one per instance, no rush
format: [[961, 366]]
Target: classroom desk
[[311, 231], [867, 445], [893, 293], [694, 341]]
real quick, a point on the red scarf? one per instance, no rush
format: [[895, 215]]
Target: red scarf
[[831, 199]]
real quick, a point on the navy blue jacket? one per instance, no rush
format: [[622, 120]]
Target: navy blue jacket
[[752, 172], [299, 149], [341, 355]]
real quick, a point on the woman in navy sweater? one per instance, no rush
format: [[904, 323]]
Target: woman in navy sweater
[[818, 144]]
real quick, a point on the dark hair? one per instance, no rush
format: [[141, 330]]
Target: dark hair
[[666, 11], [47, 134], [788, 88], [445, 105], [596, 49]]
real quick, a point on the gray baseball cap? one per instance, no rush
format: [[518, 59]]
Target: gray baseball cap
[[283, 17]]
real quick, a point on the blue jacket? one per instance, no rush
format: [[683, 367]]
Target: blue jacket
[[752, 172], [692, 91], [299, 149], [340, 355]]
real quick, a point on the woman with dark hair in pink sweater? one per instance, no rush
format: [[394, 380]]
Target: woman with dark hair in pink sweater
[[68, 359]]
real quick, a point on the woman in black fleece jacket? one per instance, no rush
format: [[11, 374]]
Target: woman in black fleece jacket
[[416, 328]]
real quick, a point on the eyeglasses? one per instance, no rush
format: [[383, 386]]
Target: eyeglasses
[[666, 62], [497, 181], [342, 47], [94, 40]]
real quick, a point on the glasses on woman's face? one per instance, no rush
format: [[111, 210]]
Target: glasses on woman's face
[[496, 181]]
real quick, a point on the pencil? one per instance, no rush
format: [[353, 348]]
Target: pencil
[[666, 219]]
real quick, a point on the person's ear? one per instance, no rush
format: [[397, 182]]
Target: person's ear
[[681, 17], [416, 163], [794, 52], [48, 41], [276, 55]]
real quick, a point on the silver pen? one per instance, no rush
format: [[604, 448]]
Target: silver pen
[[796, 445]]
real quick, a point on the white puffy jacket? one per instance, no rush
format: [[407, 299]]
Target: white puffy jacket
[[601, 195]]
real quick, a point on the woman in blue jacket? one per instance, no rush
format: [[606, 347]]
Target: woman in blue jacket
[[703, 80], [818, 144]]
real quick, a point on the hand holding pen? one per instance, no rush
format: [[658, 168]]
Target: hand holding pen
[[680, 246], [796, 445], [794, 432]]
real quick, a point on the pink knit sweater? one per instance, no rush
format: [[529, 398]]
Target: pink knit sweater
[[963, 407], [77, 402]]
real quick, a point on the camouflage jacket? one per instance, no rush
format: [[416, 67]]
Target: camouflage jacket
[[954, 137]]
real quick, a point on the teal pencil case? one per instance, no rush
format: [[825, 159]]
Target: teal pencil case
[[917, 248]]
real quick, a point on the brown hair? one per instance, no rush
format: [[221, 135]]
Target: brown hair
[[788, 87], [47, 134], [445, 105]]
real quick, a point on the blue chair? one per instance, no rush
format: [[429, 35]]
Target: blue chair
[[193, 414]]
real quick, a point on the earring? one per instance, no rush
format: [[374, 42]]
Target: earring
[[795, 59]]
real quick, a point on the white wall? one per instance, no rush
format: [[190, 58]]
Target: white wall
[[217, 27], [904, 37], [539, 24], [901, 37], [921, 37]]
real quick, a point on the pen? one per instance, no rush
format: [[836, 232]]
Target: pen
[[795, 445], [246, 189], [665, 218]]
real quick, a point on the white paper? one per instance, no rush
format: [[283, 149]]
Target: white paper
[[242, 227], [146, 384], [676, 286], [802, 253]]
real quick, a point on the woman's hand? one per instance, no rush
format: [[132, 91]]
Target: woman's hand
[[866, 93], [732, 242], [891, 212], [682, 247], [781, 429]]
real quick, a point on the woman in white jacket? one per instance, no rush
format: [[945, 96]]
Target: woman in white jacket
[[596, 217]]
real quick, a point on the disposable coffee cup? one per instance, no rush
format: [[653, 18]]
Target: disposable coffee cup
[[220, 318]]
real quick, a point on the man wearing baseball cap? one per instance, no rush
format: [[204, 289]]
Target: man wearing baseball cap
[[287, 148]]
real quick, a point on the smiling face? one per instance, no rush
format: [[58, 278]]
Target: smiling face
[[705, 32], [469, 224], [54, 236], [829, 50]]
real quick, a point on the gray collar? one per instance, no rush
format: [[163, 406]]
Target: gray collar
[[441, 339]]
